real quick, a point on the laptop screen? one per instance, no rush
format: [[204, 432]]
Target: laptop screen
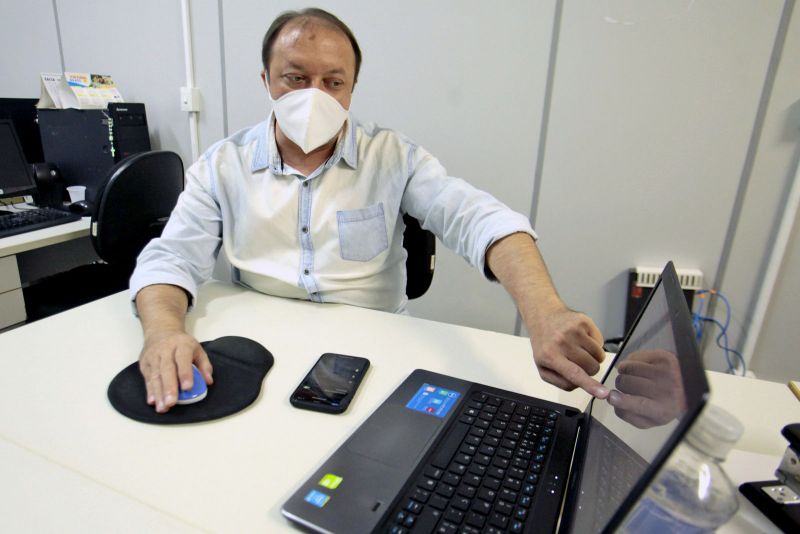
[[661, 382]]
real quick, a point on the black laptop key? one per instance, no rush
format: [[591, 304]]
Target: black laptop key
[[452, 443], [427, 520], [503, 507], [454, 515], [475, 519], [482, 507], [498, 520]]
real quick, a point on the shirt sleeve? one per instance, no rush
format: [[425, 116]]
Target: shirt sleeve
[[467, 220], [187, 250]]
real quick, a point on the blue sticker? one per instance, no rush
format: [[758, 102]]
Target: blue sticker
[[317, 498], [433, 400]]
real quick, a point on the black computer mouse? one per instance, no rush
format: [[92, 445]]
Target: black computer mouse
[[81, 207]]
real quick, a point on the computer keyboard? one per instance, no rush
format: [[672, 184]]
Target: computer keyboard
[[17, 222], [483, 475]]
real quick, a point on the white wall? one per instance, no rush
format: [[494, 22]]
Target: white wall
[[651, 118], [652, 112], [29, 41]]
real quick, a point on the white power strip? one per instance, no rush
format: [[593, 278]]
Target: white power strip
[[691, 279]]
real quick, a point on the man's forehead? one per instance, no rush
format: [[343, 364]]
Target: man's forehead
[[309, 29]]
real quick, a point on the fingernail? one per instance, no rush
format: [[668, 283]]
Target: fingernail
[[169, 399], [613, 398], [160, 406], [186, 385], [601, 392], [150, 399]]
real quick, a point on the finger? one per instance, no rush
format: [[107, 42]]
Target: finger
[[575, 375], [636, 385], [638, 368], [153, 384], [183, 361], [655, 356], [144, 369], [636, 420], [552, 378], [204, 364], [583, 359], [594, 345], [169, 381], [639, 406]]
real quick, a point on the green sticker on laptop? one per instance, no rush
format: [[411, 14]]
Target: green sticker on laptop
[[330, 481]]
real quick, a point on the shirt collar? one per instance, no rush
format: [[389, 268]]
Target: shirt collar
[[267, 155]]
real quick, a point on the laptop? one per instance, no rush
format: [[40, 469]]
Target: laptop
[[442, 454]]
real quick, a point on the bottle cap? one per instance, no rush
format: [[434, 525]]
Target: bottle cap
[[716, 432]]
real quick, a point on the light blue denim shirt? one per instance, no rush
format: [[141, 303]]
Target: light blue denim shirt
[[333, 236]]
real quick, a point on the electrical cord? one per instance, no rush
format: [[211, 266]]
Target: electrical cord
[[699, 320]]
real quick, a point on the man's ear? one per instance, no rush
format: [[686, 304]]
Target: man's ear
[[265, 77]]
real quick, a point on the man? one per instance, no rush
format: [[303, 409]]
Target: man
[[309, 204]]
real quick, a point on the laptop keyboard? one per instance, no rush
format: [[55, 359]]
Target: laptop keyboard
[[483, 475], [17, 222]]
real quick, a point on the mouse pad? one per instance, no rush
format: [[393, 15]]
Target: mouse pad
[[240, 365]]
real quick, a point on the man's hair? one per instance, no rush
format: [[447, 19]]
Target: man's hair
[[320, 15]]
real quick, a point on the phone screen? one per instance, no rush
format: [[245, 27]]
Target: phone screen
[[331, 383]]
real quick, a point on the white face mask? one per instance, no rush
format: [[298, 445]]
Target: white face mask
[[309, 117]]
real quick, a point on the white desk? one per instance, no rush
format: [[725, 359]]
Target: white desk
[[232, 475], [12, 305]]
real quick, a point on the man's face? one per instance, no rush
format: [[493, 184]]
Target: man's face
[[309, 54]]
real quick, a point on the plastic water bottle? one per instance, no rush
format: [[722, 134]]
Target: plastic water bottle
[[692, 494]]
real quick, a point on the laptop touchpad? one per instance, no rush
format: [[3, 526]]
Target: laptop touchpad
[[394, 435]]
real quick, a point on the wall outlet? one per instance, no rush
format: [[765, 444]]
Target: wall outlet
[[190, 99]]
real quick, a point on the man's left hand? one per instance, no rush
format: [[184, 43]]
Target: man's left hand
[[568, 350]]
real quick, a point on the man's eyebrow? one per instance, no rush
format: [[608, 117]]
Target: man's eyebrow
[[297, 66]]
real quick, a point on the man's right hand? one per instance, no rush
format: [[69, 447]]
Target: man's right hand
[[166, 361], [168, 352]]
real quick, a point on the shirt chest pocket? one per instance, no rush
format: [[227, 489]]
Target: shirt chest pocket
[[362, 233]]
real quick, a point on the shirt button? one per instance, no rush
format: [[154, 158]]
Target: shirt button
[[305, 184], [305, 229], [305, 271]]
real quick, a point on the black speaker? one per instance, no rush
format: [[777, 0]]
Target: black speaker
[[50, 185]]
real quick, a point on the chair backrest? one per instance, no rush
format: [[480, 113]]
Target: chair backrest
[[421, 261], [133, 205]]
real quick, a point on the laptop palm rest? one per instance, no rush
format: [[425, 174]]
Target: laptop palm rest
[[396, 438], [355, 487]]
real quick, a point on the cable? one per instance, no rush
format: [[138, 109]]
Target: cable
[[698, 319]]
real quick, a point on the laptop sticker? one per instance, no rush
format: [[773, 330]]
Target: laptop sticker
[[330, 481], [317, 498], [433, 400]]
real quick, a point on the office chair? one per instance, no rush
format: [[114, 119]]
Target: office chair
[[132, 207], [421, 247]]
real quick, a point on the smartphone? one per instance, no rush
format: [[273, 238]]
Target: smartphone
[[330, 385]]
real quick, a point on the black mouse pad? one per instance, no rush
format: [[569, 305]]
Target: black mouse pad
[[240, 365]]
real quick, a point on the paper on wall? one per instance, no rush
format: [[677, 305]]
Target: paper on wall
[[80, 90]]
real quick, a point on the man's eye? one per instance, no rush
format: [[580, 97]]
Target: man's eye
[[294, 78], [335, 84]]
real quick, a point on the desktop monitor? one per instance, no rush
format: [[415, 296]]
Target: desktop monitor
[[23, 113], [16, 177]]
